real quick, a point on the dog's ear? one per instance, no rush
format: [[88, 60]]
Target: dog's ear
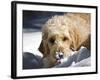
[[74, 47], [43, 48], [75, 40]]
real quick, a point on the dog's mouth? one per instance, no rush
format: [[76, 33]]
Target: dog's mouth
[[61, 60], [59, 57]]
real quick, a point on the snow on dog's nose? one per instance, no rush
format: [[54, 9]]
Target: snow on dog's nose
[[59, 55]]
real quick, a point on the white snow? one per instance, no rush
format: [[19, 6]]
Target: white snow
[[31, 42]]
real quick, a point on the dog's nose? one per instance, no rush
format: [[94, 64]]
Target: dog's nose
[[59, 55]]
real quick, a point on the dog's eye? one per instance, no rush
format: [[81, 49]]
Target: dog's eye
[[52, 40], [65, 38]]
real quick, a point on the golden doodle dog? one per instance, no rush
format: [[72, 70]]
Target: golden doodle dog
[[63, 34]]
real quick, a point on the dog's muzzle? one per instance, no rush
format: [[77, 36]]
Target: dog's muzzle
[[59, 55]]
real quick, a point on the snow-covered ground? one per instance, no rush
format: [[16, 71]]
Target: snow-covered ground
[[31, 42]]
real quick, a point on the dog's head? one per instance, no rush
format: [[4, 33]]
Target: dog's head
[[58, 40]]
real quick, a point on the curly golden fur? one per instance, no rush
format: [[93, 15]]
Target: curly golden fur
[[64, 34]]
